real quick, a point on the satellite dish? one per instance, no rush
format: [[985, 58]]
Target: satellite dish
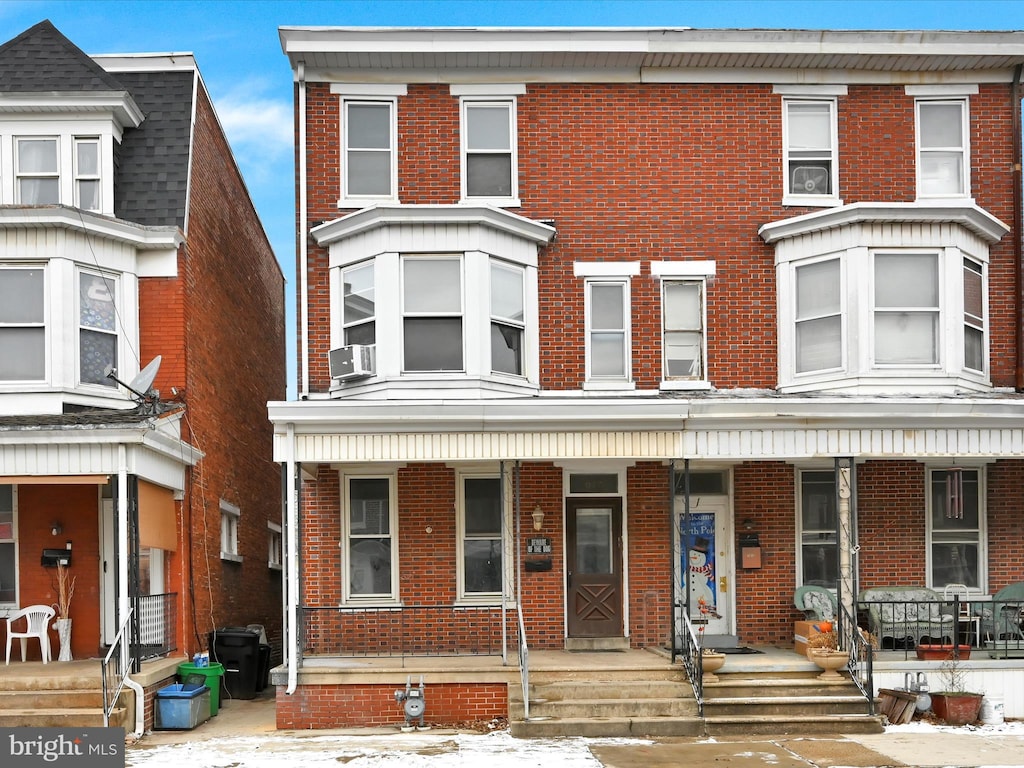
[[144, 379]]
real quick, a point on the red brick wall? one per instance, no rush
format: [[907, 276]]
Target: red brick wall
[[335, 706], [694, 178], [650, 555]]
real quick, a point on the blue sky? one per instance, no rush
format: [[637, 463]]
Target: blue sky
[[236, 45]]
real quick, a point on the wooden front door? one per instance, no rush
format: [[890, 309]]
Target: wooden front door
[[594, 567]]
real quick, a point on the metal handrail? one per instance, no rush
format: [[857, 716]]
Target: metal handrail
[[116, 674], [524, 666], [693, 661], [861, 663]]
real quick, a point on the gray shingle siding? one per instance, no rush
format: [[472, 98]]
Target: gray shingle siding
[[41, 59]]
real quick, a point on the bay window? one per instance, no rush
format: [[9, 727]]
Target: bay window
[[37, 170], [432, 309], [22, 324], [97, 328], [508, 317], [359, 307], [87, 173], [818, 316], [906, 312]]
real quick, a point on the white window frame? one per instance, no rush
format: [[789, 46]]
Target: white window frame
[[501, 321], [937, 312], [801, 530], [230, 515], [391, 150], [82, 328], [13, 541], [460, 313], [972, 322], [274, 547], [823, 155], [383, 93], [20, 175], [361, 322], [44, 323], [504, 536], [810, 318], [81, 176], [603, 274], [963, 149], [347, 536], [491, 95], [690, 271], [982, 530]]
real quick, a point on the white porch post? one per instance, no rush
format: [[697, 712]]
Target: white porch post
[[123, 598], [846, 542], [291, 543]]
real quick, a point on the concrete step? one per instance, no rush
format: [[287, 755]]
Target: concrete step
[[43, 699], [571, 690], [786, 705], [729, 686], [596, 644], [614, 675], [609, 708], [609, 727], [797, 725], [60, 718]]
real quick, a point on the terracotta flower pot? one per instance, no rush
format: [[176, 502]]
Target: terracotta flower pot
[[941, 651], [957, 708]]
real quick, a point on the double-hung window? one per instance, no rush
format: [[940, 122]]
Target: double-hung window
[[489, 142], [974, 316], [508, 317], [97, 328], [956, 531], [370, 167], [359, 308], [229, 517], [369, 538], [38, 170], [87, 173], [819, 561], [906, 309], [482, 539], [942, 148], [607, 313], [432, 313], [683, 320], [818, 315], [809, 130], [22, 324], [8, 569]]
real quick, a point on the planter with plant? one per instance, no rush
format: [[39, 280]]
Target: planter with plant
[[65, 591], [954, 704], [823, 649], [710, 660]]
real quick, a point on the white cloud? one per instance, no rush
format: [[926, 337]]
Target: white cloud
[[258, 126]]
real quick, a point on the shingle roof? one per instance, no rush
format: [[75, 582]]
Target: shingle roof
[[42, 59], [151, 185]]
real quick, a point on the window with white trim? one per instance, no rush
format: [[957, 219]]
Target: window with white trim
[[359, 308], [508, 317], [370, 147], [229, 517], [489, 154], [432, 313], [974, 316], [607, 312], [37, 169], [810, 137], [370, 551], [8, 546], [481, 537], [682, 314], [819, 557], [97, 335], [818, 316], [942, 148], [906, 311], [956, 544], [274, 547], [22, 323], [87, 173]]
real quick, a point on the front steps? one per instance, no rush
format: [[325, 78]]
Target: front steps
[[42, 696]]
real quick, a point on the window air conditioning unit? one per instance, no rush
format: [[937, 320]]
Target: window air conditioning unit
[[810, 180], [356, 361]]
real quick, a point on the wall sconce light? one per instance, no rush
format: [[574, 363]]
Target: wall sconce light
[[56, 529], [538, 518]]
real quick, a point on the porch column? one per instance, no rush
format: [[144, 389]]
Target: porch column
[[845, 540], [291, 545], [123, 596]]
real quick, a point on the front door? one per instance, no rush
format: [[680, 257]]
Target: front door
[[705, 563], [594, 567]]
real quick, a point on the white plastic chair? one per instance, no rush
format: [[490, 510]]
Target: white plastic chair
[[37, 620]]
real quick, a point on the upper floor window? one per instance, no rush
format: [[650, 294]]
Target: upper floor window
[[942, 148], [370, 149], [907, 312], [274, 547], [956, 535], [508, 318], [97, 328], [608, 329], [229, 518], [974, 316], [683, 329], [369, 538], [819, 557], [818, 316], [810, 138], [489, 142], [359, 309], [87, 173], [432, 309], [22, 324], [37, 170]]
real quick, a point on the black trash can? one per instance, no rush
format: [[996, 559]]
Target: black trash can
[[237, 648]]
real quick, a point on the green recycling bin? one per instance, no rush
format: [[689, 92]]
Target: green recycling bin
[[213, 674]]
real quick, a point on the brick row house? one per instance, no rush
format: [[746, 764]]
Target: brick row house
[[597, 324], [141, 335]]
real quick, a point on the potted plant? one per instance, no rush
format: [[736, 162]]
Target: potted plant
[[954, 704], [65, 591], [710, 660], [823, 649]]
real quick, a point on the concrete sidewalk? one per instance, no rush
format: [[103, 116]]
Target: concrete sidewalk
[[245, 730]]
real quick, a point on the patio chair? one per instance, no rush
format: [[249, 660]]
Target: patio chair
[[906, 615], [37, 622], [1001, 620], [817, 603]]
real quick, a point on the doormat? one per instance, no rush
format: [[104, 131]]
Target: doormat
[[740, 649]]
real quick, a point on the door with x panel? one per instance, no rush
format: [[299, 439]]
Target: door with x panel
[[594, 567]]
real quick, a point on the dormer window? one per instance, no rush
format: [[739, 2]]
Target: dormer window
[[87, 174], [38, 171], [58, 166]]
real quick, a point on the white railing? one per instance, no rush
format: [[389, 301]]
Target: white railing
[[524, 666], [114, 670]]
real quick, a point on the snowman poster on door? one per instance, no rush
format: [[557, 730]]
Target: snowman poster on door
[[697, 564]]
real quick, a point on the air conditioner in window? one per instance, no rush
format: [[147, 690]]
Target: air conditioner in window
[[356, 361], [810, 180]]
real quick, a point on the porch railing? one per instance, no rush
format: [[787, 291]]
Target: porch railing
[[903, 625], [114, 669], [861, 664], [407, 630], [524, 665], [692, 657], [158, 617], [1001, 627]]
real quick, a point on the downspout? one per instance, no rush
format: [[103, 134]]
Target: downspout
[[291, 542], [1018, 225], [303, 238]]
